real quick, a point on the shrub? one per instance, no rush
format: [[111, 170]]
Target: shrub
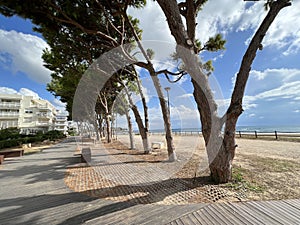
[[10, 133]]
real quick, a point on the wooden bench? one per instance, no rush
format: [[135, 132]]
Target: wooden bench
[[1, 159], [85, 155], [12, 153]]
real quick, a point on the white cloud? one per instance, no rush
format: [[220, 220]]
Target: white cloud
[[258, 75], [272, 95], [22, 91], [285, 31], [6, 90], [28, 92], [60, 106], [24, 51], [152, 16], [288, 90], [225, 16], [188, 95], [251, 115], [218, 16]]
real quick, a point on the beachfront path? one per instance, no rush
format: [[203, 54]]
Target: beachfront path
[[33, 191]]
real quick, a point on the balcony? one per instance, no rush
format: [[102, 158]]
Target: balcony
[[61, 119], [44, 115], [9, 115], [43, 124], [10, 105]]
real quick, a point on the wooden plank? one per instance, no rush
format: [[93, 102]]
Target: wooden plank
[[294, 203], [225, 215], [284, 208], [193, 218], [189, 219], [264, 213], [202, 216], [238, 215], [214, 217], [254, 213]]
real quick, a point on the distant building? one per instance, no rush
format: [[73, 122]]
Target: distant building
[[30, 115], [61, 122]]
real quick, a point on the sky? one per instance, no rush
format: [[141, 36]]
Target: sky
[[272, 95]]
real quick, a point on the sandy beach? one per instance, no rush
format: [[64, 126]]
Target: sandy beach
[[195, 144]]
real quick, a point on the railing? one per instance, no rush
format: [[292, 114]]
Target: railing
[[9, 114], [9, 105], [274, 135]]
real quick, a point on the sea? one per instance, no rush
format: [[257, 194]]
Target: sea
[[259, 129]]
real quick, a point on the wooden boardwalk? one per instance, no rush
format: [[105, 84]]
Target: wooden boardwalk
[[33, 191], [268, 212]]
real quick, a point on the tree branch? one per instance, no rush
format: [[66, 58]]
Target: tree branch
[[68, 20], [243, 74]]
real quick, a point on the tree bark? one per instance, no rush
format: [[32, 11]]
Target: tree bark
[[165, 112], [143, 131], [145, 107], [130, 130], [108, 128], [166, 117]]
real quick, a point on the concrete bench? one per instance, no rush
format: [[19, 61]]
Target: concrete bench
[[85, 155], [157, 145], [12, 153]]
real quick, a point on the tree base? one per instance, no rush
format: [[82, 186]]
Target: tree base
[[172, 157]]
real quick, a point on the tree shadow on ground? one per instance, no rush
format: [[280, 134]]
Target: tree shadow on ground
[[141, 194]]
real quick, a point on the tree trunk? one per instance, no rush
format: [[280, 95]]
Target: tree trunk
[[96, 129], [166, 117], [130, 130], [146, 117], [165, 112], [100, 124], [143, 131], [108, 128]]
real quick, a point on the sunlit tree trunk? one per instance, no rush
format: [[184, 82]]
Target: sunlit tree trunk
[[130, 130], [143, 131], [166, 117]]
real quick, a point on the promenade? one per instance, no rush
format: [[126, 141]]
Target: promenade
[[49, 188]]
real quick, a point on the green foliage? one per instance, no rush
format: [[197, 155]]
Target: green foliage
[[240, 181], [11, 137], [208, 67], [53, 135], [215, 43], [9, 133], [150, 53], [198, 45]]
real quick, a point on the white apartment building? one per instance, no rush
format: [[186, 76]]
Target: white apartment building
[[61, 122], [26, 113]]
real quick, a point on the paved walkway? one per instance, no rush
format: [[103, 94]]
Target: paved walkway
[[35, 190]]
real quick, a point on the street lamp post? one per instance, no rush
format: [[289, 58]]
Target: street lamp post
[[167, 90]]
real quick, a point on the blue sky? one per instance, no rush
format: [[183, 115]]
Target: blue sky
[[273, 91]]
